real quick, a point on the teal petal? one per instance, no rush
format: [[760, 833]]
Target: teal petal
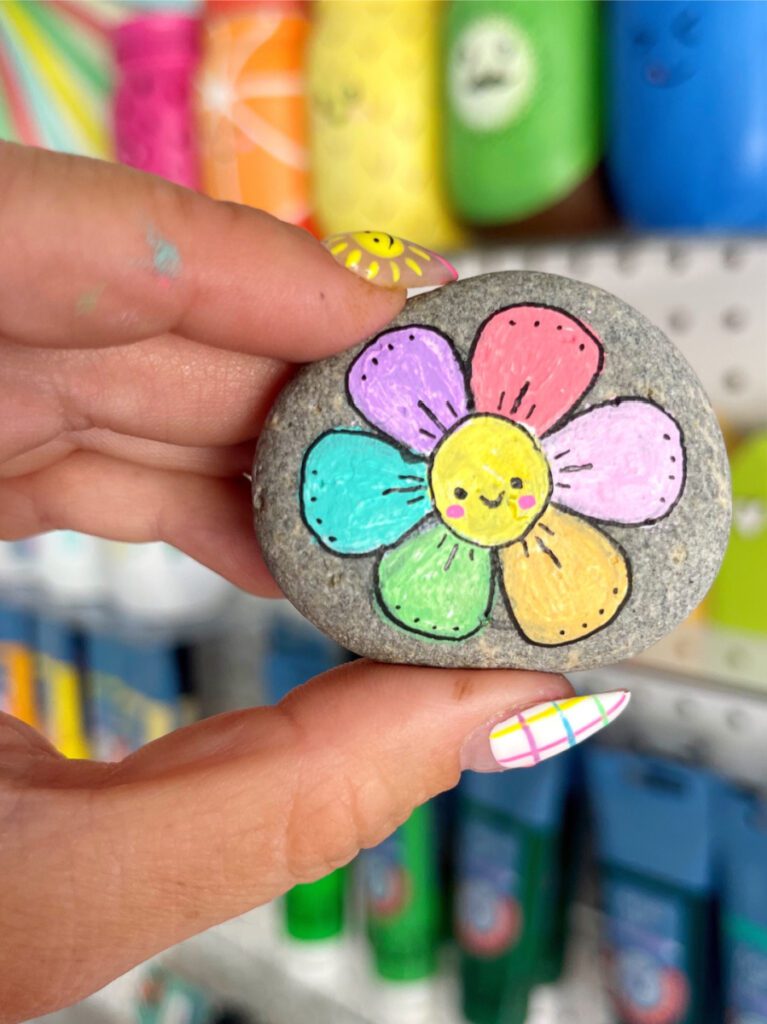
[[436, 584], [360, 493]]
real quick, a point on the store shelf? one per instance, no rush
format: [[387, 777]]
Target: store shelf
[[245, 963]]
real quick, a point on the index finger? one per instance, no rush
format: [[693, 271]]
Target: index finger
[[95, 254]]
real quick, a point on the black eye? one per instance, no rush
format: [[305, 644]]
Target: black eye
[[643, 38], [516, 483], [376, 239], [460, 493]]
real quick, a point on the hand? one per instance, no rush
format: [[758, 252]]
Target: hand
[[144, 331]]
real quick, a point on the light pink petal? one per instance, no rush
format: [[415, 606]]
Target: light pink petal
[[408, 383], [531, 364], [621, 462]]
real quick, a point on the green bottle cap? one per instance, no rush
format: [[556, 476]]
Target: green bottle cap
[[315, 911]]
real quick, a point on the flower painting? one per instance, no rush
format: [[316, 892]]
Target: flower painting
[[492, 477]]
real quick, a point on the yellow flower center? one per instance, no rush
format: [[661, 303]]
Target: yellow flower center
[[378, 243], [490, 480]]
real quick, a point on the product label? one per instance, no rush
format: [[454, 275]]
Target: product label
[[746, 951], [488, 906], [647, 937], [385, 877]]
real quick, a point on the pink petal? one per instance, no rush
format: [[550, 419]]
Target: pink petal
[[621, 462], [531, 364], [408, 383]]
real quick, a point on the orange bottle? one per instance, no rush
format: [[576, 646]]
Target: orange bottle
[[251, 105]]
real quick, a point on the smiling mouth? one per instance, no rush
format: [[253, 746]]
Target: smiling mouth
[[490, 502], [488, 81]]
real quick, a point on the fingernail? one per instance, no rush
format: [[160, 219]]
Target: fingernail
[[388, 261], [542, 731]]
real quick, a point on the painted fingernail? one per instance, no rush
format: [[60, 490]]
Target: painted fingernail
[[541, 731], [388, 261], [548, 729]]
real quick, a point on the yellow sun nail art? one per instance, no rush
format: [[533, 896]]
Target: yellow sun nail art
[[388, 261]]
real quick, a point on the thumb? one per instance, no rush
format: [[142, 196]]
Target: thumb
[[214, 819]]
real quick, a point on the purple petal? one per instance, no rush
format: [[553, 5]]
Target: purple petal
[[621, 462], [408, 383]]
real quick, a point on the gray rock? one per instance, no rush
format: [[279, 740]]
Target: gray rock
[[568, 515]]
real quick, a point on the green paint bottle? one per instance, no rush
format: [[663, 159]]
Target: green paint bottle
[[400, 881], [522, 100], [737, 596], [509, 914], [315, 911]]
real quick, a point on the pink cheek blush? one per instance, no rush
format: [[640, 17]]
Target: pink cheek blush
[[455, 512], [526, 501]]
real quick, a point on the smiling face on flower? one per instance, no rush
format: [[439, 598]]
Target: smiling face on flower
[[482, 479]]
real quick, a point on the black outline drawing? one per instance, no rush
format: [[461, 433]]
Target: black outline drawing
[[432, 519]]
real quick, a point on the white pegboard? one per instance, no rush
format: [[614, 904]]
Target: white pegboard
[[708, 295]]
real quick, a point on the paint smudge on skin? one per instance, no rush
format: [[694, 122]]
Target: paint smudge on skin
[[87, 302], [166, 260]]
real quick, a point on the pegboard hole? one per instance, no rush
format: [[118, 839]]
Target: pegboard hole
[[678, 257], [680, 320], [735, 381], [736, 720], [735, 318], [627, 259], [734, 256]]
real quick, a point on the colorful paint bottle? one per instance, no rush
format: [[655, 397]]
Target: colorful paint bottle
[[294, 651], [156, 57], [510, 899], [400, 881], [375, 131], [737, 596], [252, 105], [522, 97], [655, 836], [55, 75], [17, 663], [61, 679], [669, 166], [743, 842]]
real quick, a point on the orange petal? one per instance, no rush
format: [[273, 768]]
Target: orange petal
[[565, 580]]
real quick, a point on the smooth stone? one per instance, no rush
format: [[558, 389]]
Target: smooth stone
[[567, 516]]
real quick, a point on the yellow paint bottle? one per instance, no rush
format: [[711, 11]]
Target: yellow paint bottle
[[375, 126]]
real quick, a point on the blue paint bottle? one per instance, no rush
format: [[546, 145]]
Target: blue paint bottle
[[687, 113], [655, 839], [510, 886], [743, 842]]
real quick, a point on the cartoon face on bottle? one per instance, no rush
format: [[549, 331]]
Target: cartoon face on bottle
[[491, 73], [665, 39]]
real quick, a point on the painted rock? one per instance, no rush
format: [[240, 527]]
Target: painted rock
[[520, 470]]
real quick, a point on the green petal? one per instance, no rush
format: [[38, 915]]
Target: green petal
[[436, 584]]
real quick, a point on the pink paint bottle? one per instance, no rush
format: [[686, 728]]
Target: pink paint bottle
[[156, 57]]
